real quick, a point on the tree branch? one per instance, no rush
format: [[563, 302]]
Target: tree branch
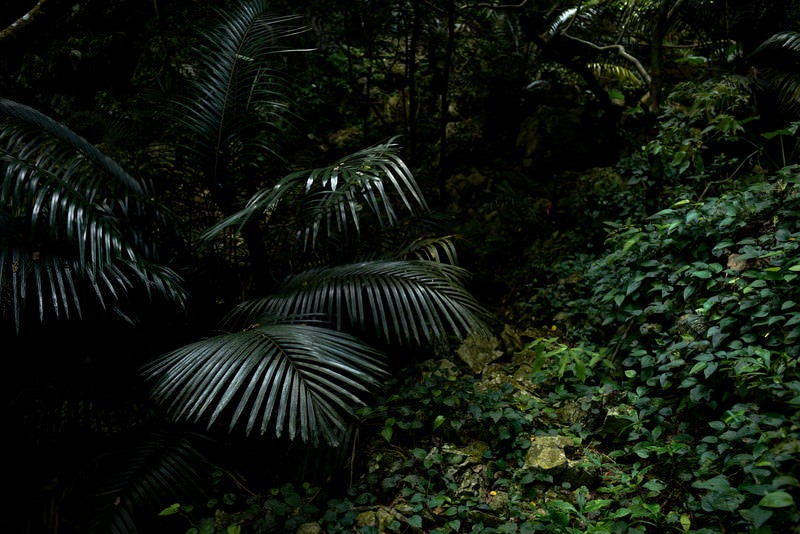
[[23, 21], [620, 50]]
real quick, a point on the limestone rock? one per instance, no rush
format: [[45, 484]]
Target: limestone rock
[[479, 351], [367, 519], [547, 452]]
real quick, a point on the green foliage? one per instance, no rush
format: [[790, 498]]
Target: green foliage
[[702, 141], [449, 453], [707, 293], [281, 509], [578, 360]]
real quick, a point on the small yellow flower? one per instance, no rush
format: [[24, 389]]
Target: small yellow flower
[[554, 328], [492, 493]]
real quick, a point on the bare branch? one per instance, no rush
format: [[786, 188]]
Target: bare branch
[[23, 21], [620, 50]]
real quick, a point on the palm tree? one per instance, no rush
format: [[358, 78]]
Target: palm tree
[[345, 270], [294, 359], [77, 234]]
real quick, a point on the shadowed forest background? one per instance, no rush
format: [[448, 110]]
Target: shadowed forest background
[[402, 266]]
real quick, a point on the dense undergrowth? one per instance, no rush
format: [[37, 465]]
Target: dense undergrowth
[[653, 386]]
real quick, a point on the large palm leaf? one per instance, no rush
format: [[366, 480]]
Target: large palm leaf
[[302, 379], [157, 470], [403, 302], [236, 96], [70, 218], [227, 122], [331, 199]]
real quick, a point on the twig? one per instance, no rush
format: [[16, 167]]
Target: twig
[[619, 345]]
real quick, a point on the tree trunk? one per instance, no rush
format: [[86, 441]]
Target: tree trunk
[[661, 23], [444, 105], [253, 238], [411, 76]]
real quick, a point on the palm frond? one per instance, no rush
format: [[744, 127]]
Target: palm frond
[[786, 86], [139, 481], [70, 152], [776, 59], [783, 42], [332, 198], [296, 378], [401, 301], [71, 216], [237, 95], [50, 175]]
